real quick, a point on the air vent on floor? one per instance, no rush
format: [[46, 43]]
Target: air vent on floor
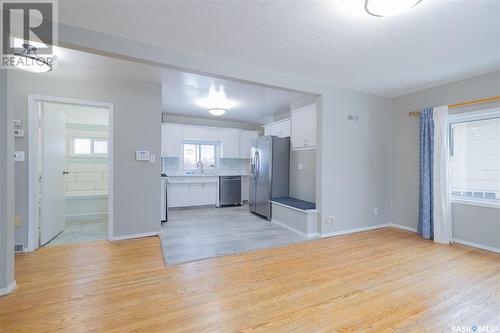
[[19, 248]]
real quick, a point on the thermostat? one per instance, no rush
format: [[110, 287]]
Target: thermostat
[[142, 155]]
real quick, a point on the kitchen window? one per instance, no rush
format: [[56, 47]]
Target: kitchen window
[[195, 152], [475, 157], [89, 147]]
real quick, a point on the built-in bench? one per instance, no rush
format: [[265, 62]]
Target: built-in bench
[[297, 215]]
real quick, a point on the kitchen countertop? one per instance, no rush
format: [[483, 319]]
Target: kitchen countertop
[[212, 173]]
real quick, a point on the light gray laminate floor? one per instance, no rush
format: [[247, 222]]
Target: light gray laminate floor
[[199, 233], [82, 231]]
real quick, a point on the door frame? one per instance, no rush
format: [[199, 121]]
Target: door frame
[[33, 154]]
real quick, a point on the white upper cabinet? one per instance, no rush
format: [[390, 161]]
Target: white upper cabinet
[[235, 143], [171, 136], [246, 138], [231, 143], [278, 128], [303, 133]]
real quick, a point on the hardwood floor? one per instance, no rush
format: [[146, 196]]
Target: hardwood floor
[[382, 280]]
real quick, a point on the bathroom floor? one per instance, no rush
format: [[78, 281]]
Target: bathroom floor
[[81, 231]]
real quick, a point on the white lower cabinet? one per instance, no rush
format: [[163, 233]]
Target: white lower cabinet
[[184, 192]]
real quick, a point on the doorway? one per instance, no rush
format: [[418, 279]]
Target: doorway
[[70, 165]]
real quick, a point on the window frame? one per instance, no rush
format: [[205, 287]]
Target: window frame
[[466, 117], [92, 153], [216, 145]]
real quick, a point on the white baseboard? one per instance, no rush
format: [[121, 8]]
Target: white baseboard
[[124, 237], [8, 289], [315, 235], [403, 227], [351, 231], [455, 240], [479, 246]]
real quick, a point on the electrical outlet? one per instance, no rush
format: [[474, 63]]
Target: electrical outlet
[[330, 219], [375, 211], [17, 220]]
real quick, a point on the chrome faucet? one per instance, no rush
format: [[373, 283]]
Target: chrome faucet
[[199, 166]]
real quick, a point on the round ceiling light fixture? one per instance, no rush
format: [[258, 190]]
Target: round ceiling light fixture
[[216, 102], [217, 112], [29, 61], [384, 8]]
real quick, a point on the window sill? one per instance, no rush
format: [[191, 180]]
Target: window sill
[[475, 203]]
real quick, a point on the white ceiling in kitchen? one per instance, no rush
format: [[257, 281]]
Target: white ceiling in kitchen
[[180, 90]]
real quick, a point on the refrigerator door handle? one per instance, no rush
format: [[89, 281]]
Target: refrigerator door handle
[[257, 163]]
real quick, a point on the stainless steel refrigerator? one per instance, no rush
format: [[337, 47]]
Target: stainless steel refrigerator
[[270, 169]]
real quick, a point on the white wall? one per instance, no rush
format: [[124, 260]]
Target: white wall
[[137, 114], [6, 191], [472, 224]]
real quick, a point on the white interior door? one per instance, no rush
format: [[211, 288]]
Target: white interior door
[[52, 200]]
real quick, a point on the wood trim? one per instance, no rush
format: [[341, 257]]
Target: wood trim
[[142, 235], [462, 104]]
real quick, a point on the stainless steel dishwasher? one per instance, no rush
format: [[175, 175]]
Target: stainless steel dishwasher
[[229, 190]]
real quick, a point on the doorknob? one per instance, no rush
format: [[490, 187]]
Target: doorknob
[[65, 172]]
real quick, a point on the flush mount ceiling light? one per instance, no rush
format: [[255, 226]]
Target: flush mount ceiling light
[[216, 102], [29, 61], [389, 7], [217, 112]]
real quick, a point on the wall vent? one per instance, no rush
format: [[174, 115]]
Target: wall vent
[[19, 248]]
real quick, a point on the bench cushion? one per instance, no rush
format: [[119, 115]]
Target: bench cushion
[[296, 203]]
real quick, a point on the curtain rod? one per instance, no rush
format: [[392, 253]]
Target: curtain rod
[[459, 105]]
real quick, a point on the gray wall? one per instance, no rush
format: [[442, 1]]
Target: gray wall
[[136, 117], [303, 182], [353, 173], [6, 189], [406, 166]]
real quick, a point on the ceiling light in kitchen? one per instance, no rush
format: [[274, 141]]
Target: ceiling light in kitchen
[[216, 102], [217, 112], [389, 7]]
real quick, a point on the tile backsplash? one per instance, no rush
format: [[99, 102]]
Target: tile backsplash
[[225, 164], [85, 173], [234, 164], [170, 163]]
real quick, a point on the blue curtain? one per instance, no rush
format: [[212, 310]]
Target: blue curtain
[[425, 207]]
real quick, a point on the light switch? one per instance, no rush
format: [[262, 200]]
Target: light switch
[[300, 166], [18, 156], [18, 133], [152, 158]]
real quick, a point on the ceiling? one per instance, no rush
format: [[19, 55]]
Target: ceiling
[[180, 90], [436, 42]]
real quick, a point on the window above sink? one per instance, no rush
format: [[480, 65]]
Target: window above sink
[[196, 151]]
